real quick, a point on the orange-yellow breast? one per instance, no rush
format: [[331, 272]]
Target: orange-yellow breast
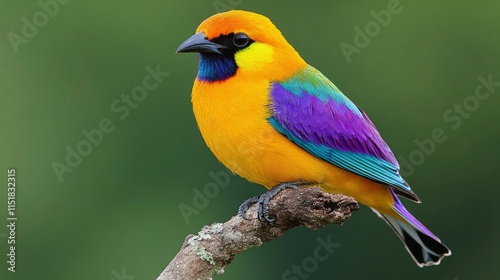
[[232, 117]]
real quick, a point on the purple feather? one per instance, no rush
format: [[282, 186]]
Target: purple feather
[[329, 123], [398, 206]]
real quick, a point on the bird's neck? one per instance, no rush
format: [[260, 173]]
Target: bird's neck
[[215, 67]]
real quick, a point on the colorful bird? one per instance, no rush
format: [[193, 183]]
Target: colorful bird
[[275, 120]]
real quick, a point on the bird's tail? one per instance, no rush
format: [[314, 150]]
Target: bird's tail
[[425, 248]]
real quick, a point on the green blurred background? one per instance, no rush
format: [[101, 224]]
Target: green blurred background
[[116, 215]]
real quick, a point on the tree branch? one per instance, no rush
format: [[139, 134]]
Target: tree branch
[[208, 253]]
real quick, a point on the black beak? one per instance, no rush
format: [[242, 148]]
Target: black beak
[[199, 43]]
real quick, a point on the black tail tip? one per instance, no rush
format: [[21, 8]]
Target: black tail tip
[[430, 254]]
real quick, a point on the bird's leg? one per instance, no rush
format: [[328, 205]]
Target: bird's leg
[[263, 200]]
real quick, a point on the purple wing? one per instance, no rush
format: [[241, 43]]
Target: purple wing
[[316, 116]]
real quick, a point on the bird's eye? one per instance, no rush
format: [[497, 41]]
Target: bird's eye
[[241, 40]]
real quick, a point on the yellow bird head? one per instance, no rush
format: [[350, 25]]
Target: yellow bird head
[[243, 44]]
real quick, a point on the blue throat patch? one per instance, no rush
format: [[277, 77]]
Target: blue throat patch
[[215, 67]]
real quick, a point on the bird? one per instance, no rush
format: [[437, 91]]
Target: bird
[[272, 118]]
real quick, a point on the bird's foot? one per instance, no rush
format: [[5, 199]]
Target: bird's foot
[[263, 200]]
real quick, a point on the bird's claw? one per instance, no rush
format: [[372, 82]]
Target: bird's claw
[[245, 205], [263, 201]]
